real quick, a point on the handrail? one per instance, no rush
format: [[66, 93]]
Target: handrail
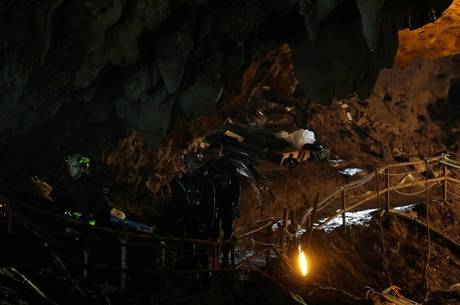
[[374, 196], [352, 185], [113, 232], [385, 170]]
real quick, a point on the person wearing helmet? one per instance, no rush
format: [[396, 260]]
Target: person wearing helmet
[[80, 198], [83, 200]]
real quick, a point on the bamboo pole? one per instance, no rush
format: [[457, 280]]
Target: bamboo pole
[[10, 217], [85, 260], [444, 189], [123, 263], [283, 228], [293, 223], [310, 232], [377, 179], [456, 181], [387, 195], [232, 254], [344, 222]]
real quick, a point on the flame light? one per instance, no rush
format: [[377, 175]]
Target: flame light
[[303, 263]]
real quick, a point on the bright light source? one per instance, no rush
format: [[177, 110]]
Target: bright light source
[[303, 263]]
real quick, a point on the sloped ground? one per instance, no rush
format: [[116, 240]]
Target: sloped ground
[[355, 259]]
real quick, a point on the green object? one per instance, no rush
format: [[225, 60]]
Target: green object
[[92, 222], [77, 214], [84, 160], [451, 163]]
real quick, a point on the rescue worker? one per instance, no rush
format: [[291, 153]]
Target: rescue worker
[[80, 198], [206, 200], [227, 193]]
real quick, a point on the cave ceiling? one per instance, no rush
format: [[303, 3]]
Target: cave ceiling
[[153, 62]]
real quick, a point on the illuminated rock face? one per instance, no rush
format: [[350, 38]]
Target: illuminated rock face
[[153, 62], [438, 39]]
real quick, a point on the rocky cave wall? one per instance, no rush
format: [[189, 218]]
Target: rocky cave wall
[[151, 63]]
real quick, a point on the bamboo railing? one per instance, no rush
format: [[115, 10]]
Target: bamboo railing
[[384, 188]]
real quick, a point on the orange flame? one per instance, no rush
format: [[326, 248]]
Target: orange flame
[[303, 263]]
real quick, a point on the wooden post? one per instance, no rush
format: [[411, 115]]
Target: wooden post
[[283, 227], [124, 262], [85, 260], [377, 179], [232, 253], [10, 217], [292, 230], [444, 191], [344, 221], [426, 185], [215, 256], [312, 220], [163, 256], [293, 223], [387, 195], [267, 257]]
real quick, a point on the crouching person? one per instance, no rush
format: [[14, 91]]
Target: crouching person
[[80, 197], [83, 199]]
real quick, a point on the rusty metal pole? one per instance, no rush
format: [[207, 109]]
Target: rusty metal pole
[[444, 191], [387, 195], [344, 222]]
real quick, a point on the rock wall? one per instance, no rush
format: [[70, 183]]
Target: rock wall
[[154, 62]]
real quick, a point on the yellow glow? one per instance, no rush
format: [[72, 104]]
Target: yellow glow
[[303, 263]]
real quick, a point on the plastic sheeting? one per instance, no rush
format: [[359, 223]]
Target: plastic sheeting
[[298, 138]]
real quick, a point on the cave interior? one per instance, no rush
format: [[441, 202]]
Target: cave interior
[[230, 152]]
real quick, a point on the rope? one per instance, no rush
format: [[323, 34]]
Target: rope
[[250, 233], [400, 174], [413, 194]]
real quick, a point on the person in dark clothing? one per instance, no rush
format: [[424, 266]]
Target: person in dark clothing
[[80, 198], [227, 190]]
